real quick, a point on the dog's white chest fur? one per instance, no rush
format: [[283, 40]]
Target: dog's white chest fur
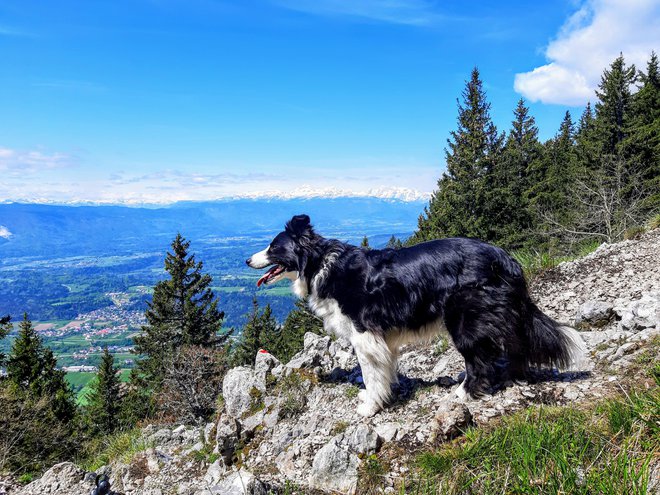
[[334, 321]]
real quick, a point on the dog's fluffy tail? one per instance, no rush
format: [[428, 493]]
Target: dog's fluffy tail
[[552, 344]]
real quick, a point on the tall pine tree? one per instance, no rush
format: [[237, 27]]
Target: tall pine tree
[[260, 332], [32, 369], [5, 328], [459, 206], [103, 401], [551, 179], [644, 132], [614, 106], [183, 311], [509, 219]]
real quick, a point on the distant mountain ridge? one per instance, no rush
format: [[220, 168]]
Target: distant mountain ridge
[[64, 230], [302, 192]]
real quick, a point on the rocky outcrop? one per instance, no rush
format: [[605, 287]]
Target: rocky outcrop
[[65, 477], [295, 424]]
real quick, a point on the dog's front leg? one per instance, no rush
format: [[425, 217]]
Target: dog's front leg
[[378, 366]]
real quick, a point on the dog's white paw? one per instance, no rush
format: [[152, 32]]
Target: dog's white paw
[[367, 409], [460, 392], [362, 395]]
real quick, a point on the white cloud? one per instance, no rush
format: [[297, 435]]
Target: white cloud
[[23, 161], [588, 43], [412, 12]]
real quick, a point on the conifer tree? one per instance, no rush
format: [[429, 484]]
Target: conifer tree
[[587, 148], [183, 311], [260, 332], [5, 328], [26, 356], [291, 336], [32, 368], [644, 131], [394, 243], [509, 218], [459, 206], [552, 177], [103, 401], [614, 107]]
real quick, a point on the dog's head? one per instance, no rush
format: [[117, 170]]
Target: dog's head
[[286, 254]]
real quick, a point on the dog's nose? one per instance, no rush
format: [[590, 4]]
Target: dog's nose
[[247, 261]]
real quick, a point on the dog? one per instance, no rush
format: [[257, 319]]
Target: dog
[[381, 299]]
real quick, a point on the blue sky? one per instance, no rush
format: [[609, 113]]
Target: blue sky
[[162, 100]]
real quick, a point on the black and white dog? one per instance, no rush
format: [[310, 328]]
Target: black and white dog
[[382, 299]]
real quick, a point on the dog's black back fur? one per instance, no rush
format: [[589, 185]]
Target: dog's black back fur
[[477, 290]]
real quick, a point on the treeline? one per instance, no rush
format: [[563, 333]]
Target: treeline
[[594, 180], [183, 351]]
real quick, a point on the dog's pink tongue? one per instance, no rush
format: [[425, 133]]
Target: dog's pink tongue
[[266, 276]]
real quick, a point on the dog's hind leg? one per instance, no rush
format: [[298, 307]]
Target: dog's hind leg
[[378, 365]]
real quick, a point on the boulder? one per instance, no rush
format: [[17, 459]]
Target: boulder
[[643, 313], [595, 314], [335, 468], [363, 439], [241, 482], [238, 390], [451, 420], [64, 478]]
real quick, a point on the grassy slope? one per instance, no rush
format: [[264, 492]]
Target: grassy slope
[[609, 447]]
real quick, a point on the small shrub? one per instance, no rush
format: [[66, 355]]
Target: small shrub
[[633, 233], [340, 427], [293, 392], [441, 346], [257, 403], [26, 478]]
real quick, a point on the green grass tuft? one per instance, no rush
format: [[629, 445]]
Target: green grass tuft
[[633, 233], [551, 451], [121, 446]]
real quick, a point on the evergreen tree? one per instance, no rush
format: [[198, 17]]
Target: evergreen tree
[[394, 243], [291, 336], [459, 206], [644, 131], [5, 328], [103, 401], [509, 218], [26, 356], [365, 243], [260, 332], [32, 368], [550, 195], [587, 148], [183, 311], [614, 108]]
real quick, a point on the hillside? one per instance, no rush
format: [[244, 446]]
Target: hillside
[[292, 428]]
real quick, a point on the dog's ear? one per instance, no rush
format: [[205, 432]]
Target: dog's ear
[[302, 263], [298, 226]]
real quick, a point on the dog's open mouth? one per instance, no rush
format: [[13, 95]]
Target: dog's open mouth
[[271, 274]]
